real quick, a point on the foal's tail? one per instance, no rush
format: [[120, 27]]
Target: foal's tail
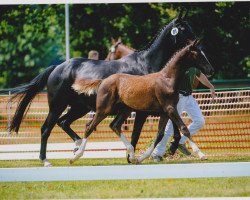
[[27, 93], [87, 87]]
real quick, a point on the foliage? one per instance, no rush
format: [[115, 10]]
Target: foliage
[[32, 36], [31, 39]]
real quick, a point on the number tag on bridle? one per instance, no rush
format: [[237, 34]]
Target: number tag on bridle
[[174, 31]]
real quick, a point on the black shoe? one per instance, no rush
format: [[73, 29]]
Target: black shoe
[[157, 158], [183, 149]]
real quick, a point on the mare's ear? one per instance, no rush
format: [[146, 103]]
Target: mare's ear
[[119, 39], [112, 41], [185, 15], [180, 15]]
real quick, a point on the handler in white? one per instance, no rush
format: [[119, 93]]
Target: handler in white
[[186, 103]]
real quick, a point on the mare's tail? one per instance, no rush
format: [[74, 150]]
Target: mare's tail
[[87, 87], [27, 93]]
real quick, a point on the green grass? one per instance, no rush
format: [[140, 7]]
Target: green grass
[[161, 188]]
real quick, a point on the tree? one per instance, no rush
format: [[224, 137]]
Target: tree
[[31, 39], [32, 36]]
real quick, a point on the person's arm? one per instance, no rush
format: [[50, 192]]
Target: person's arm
[[203, 79]]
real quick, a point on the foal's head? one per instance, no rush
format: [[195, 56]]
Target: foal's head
[[197, 58]]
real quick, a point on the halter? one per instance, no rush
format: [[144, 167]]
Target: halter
[[174, 31], [113, 48]]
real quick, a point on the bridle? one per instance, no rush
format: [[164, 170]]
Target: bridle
[[113, 48]]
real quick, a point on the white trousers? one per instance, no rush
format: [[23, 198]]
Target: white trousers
[[191, 107]]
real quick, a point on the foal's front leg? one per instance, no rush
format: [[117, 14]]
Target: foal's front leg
[[176, 119], [96, 120], [161, 127]]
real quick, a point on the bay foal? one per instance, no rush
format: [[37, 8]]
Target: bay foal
[[156, 93]]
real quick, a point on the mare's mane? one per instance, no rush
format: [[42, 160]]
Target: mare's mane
[[156, 36], [174, 57]]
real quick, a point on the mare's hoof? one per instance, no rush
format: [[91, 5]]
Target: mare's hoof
[[46, 163]]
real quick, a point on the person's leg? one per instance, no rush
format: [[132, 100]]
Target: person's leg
[[160, 149], [194, 112]]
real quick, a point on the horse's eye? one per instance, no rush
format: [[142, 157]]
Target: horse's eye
[[182, 28]]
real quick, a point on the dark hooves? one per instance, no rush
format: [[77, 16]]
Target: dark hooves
[[128, 159]]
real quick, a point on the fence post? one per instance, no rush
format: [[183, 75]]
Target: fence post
[[8, 111]]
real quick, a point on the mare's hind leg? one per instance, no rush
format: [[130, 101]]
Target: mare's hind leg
[[161, 127], [116, 127], [75, 112], [45, 133], [96, 120], [140, 119]]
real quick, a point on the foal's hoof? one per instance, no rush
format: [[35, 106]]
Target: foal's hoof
[[75, 149], [76, 156]]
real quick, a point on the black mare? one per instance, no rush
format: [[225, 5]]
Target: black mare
[[59, 80]]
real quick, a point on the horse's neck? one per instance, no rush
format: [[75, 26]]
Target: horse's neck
[[160, 51], [124, 51], [176, 69]]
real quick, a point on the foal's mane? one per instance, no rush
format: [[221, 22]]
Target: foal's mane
[[177, 55]]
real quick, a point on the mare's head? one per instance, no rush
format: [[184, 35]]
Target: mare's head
[[195, 57], [118, 50], [181, 32]]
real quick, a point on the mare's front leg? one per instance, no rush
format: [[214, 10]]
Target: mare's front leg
[[116, 127], [96, 120], [161, 127]]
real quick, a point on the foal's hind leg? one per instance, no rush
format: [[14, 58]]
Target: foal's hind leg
[[161, 127], [96, 120], [116, 127]]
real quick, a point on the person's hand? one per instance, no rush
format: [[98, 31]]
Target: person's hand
[[212, 93]]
